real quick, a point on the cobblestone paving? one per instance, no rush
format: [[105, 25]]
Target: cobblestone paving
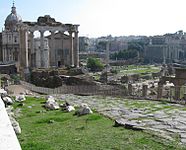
[[164, 119]]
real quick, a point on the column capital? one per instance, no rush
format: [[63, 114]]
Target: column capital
[[31, 34], [70, 32], [52, 32], [61, 31], [41, 32]]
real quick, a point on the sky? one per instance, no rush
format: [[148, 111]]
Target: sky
[[106, 17]]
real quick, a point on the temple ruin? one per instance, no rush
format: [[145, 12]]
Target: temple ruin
[[20, 47]]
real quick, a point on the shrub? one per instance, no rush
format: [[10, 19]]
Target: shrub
[[94, 64]]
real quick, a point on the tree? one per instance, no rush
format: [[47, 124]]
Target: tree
[[94, 64], [101, 46], [125, 54]]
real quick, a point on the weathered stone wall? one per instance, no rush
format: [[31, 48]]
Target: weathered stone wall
[[56, 78], [8, 69], [106, 90]]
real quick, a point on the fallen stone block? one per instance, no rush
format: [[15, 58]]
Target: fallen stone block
[[7, 100], [20, 98], [83, 110], [128, 124]]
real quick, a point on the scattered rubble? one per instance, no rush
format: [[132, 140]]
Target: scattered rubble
[[20, 98], [13, 121], [67, 107], [51, 104], [83, 110], [7, 100]]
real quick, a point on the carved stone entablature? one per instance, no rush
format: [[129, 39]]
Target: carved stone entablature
[[47, 20], [30, 23], [44, 21], [72, 28], [47, 23]]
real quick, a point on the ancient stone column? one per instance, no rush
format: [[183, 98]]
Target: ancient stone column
[[31, 63], [4, 57], [23, 55], [52, 52], [26, 49], [42, 48], [11, 57], [3, 53], [160, 89], [46, 54], [76, 50], [144, 90], [11, 54], [178, 55], [62, 51], [130, 89], [71, 52], [184, 96], [8, 54], [177, 92], [107, 53]]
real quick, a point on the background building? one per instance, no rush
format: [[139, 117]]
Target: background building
[[166, 48]]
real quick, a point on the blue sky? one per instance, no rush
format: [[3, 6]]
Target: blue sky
[[105, 17]]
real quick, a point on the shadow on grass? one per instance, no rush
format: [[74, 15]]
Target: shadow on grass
[[54, 119]]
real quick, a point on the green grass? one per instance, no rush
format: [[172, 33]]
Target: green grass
[[132, 69], [140, 71], [57, 130]]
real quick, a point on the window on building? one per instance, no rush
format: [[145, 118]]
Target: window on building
[[59, 52]]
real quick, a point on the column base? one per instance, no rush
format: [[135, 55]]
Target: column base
[[26, 74]]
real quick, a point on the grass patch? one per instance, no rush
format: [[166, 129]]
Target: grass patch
[[69, 132], [52, 119], [139, 70], [93, 117]]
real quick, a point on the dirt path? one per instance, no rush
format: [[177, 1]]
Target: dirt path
[[16, 89]]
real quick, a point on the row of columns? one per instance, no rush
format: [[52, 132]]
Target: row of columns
[[25, 57], [171, 51], [5, 54], [73, 51], [42, 63], [9, 54]]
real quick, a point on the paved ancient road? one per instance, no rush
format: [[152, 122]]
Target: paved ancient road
[[164, 119]]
